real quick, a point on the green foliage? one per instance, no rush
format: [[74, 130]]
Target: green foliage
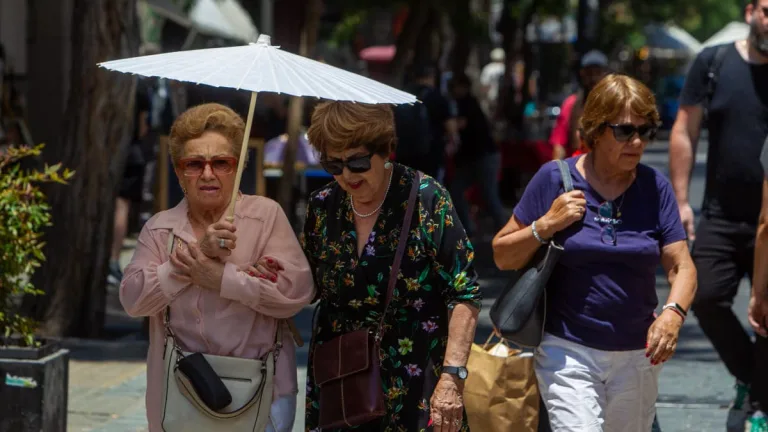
[[24, 214], [346, 29]]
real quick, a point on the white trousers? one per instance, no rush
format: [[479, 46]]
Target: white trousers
[[589, 390]]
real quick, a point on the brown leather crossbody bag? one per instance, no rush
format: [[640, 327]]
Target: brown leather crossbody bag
[[347, 367]]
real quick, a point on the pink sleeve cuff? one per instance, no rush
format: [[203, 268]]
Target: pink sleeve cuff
[[168, 285], [238, 286]]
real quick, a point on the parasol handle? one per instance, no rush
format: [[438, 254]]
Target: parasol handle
[[241, 160]]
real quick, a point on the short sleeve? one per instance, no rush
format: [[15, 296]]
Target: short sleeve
[[539, 194], [696, 82], [672, 230], [453, 252]]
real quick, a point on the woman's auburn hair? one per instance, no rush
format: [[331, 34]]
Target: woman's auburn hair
[[196, 121], [610, 97], [339, 126]]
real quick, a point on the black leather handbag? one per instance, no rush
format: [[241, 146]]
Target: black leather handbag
[[520, 312]]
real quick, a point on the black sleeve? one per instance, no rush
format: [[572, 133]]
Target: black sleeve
[[696, 82]]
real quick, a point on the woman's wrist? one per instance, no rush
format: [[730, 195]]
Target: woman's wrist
[[543, 228], [676, 312]]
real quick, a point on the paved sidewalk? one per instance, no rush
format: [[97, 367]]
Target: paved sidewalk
[[107, 381]]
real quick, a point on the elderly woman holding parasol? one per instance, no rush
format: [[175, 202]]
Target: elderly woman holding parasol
[[226, 286]]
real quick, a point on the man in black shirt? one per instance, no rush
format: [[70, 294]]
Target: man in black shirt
[[736, 102]]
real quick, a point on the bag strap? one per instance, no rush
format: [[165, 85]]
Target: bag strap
[[565, 173], [401, 244], [713, 75], [167, 314]]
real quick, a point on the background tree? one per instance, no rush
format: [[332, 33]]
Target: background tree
[[96, 132]]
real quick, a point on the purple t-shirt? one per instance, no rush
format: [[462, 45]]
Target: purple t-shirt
[[603, 295]]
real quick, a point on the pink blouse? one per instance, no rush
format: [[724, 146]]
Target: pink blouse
[[239, 321]]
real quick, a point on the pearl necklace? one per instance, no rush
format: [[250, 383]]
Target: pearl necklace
[[376, 210]]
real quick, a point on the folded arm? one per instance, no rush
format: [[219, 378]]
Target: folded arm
[[294, 288]]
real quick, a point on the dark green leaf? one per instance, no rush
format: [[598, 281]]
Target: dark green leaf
[[424, 274]]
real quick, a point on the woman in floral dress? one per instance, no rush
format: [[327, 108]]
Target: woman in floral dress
[[350, 238]]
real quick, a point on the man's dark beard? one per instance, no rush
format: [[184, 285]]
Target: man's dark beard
[[758, 40]]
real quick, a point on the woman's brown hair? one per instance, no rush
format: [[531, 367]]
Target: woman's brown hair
[[194, 122], [340, 126], [612, 95]]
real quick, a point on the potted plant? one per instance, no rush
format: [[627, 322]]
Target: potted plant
[[33, 372]]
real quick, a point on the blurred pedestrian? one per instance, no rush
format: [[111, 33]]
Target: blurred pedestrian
[[599, 362], [730, 84], [491, 78], [426, 130], [564, 139], [478, 159], [130, 192]]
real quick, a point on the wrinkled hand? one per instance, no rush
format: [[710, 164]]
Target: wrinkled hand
[[686, 215], [266, 268], [210, 245], [662, 337], [566, 210], [194, 267], [758, 314], [447, 405]]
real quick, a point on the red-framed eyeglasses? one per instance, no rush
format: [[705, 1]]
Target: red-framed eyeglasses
[[195, 166]]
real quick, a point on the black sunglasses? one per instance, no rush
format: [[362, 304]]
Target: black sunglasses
[[357, 164], [624, 132]]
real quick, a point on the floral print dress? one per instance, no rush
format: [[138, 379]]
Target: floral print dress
[[436, 273]]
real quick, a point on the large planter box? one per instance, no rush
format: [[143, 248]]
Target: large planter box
[[33, 388]]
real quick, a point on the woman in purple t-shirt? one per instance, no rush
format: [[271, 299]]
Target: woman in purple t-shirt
[[599, 362]]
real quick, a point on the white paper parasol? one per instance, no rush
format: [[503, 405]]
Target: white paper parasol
[[261, 67]]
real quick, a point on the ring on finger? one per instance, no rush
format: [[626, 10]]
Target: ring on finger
[[457, 423], [222, 243]]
